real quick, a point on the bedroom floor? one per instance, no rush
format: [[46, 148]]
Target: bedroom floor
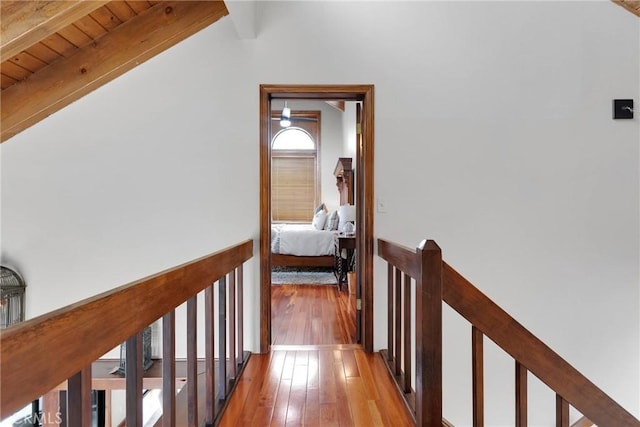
[[311, 315]]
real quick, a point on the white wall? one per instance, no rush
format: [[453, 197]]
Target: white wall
[[349, 130], [493, 135]]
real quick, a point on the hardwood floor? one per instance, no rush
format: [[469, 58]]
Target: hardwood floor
[[311, 314], [314, 375], [325, 385]]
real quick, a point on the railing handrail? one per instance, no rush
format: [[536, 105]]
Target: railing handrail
[[39, 354], [531, 352], [514, 339]]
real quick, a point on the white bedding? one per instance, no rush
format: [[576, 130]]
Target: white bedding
[[301, 240]]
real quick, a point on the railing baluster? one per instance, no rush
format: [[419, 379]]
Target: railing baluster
[[398, 324], [429, 336], [133, 380], [390, 317], [240, 316], [192, 361], [232, 323], [425, 265], [169, 369], [222, 338], [78, 399], [562, 412], [52, 413], [209, 352], [521, 395], [407, 334], [477, 356], [153, 297]]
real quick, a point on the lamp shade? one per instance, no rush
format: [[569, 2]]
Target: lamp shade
[[346, 213]]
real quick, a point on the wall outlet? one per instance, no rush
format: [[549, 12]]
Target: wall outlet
[[381, 205]]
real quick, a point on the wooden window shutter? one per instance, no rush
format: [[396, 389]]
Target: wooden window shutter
[[293, 188]]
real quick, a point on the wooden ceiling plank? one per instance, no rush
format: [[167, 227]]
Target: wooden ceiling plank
[[139, 6], [14, 71], [6, 81], [632, 6], [59, 44], [30, 62], [74, 36], [106, 18], [25, 23], [121, 9], [90, 27], [56, 86], [44, 53]]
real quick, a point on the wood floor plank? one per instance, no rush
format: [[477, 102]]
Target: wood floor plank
[[260, 410], [376, 416], [279, 417], [342, 394], [298, 394], [289, 364], [312, 407], [316, 386], [390, 399], [312, 404], [358, 402], [367, 377], [327, 378], [254, 371], [329, 415], [350, 364], [313, 370], [297, 398], [311, 314]]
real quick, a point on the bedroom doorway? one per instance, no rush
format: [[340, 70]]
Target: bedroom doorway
[[363, 199]]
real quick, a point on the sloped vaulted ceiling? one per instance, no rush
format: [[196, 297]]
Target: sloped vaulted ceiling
[[632, 6], [54, 52]]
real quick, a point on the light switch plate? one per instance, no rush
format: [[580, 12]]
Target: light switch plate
[[623, 108]]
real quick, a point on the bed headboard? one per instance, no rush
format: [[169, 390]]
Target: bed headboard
[[344, 180]]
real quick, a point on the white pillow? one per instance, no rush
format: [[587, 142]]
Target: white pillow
[[332, 221], [319, 219]]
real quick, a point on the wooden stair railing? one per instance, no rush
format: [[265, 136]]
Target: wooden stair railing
[[38, 355], [436, 282]]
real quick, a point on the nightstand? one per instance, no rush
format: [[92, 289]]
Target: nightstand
[[348, 244]]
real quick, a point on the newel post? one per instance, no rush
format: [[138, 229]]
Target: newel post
[[429, 336]]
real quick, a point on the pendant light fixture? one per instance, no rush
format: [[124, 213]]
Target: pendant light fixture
[[285, 118]]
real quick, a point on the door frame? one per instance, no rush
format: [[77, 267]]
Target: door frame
[[363, 196]]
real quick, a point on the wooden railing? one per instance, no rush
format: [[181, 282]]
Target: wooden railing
[[38, 355], [436, 282]]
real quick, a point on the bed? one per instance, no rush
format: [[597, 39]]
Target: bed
[[303, 245]]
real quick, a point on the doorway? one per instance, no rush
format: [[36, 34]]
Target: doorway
[[363, 197]]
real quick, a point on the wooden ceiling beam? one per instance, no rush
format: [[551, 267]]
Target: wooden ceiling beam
[[54, 87], [632, 6], [25, 23]]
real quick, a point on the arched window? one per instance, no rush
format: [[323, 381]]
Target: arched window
[[295, 185], [293, 139]]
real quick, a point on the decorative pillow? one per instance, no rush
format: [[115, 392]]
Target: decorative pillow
[[332, 221], [319, 220], [320, 208]]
